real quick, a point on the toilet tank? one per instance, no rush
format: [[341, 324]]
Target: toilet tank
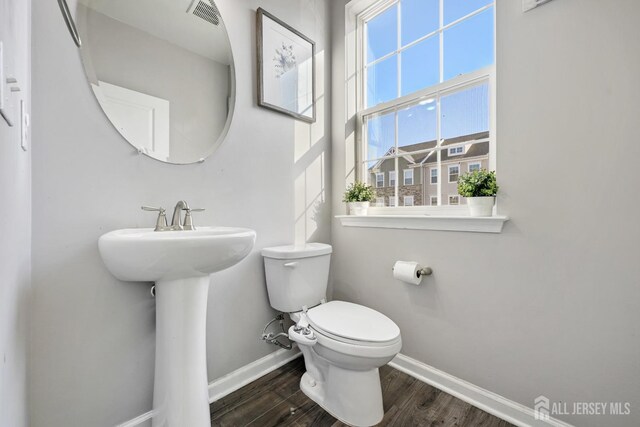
[[297, 275]]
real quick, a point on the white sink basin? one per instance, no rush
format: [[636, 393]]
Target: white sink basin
[[180, 263], [144, 255]]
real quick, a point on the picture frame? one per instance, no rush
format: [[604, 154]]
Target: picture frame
[[286, 68]]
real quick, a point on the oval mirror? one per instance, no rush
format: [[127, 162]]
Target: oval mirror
[[162, 71]]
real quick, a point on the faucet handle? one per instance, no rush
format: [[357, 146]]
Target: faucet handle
[[152, 209], [161, 222], [188, 222]]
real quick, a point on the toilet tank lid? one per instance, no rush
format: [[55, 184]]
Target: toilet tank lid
[[297, 251]]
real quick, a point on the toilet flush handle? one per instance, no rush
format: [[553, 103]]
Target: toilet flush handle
[[291, 264]]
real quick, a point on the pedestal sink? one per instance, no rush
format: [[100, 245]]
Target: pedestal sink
[[179, 262]]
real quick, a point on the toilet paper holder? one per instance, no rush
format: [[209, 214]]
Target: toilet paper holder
[[424, 271]]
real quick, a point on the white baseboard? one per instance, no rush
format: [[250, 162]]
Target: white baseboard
[[501, 407], [231, 382]]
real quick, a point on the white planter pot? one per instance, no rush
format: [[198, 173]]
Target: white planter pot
[[481, 206], [358, 208]]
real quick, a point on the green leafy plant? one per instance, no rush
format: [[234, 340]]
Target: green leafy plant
[[480, 183], [359, 192]]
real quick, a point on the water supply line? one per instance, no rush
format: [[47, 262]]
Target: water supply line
[[274, 338]]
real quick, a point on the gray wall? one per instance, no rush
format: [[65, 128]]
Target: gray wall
[[93, 336], [552, 305], [15, 225], [199, 89]]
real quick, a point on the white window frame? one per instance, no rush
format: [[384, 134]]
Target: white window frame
[[392, 182], [378, 174], [404, 176], [404, 201], [450, 196], [437, 177], [474, 163], [453, 151], [431, 201], [379, 201], [358, 11], [449, 173]]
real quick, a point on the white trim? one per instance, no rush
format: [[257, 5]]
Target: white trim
[[431, 200], [457, 165], [137, 420], [449, 196], [235, 380], [488, 224], [503, 408], [404, 201], [231, 382]]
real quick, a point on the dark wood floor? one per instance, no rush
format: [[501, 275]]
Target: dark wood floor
[[276, 400]]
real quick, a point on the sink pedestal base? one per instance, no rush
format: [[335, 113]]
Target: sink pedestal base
[[181, 395]]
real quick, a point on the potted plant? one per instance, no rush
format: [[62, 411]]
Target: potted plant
[[358, 196], [480, 188]]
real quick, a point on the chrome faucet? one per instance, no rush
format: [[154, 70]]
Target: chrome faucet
[[176, 222]]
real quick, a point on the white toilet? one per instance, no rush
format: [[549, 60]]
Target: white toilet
[[343, 344]]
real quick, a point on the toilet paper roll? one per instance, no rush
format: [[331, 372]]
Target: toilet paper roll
[[407, 271]]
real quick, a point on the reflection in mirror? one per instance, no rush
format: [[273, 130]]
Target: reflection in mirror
[[162, 71]]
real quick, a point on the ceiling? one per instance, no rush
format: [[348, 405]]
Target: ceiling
[[168, 20]]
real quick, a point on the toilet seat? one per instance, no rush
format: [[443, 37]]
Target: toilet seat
[[353, 324]]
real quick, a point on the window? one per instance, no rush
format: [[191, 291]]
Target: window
[[427, 90], [474, 167], [380, 179], [454, 172], [408, 200], [456, 151], [408, 177], [433, 200], [454, 199], [379, 201]]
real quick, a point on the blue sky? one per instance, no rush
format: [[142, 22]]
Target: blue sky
[[468, 46]]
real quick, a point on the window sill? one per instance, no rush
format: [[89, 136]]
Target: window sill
[[488, 224]]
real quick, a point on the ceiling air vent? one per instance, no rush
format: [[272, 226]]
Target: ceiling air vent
[[205, 9]]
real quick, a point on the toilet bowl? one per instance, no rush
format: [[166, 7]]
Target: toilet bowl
[[343, 344]]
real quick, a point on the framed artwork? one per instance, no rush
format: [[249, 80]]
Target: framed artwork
[[286, 68]]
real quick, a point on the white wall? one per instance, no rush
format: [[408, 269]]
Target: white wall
[[93, 336], [15, 224], [552, 305]]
